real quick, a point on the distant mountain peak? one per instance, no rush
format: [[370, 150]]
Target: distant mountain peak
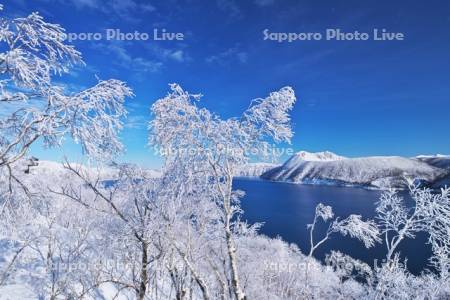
[[433, 156], [318, 156]]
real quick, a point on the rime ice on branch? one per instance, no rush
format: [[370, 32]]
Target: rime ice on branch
[[33, 107]]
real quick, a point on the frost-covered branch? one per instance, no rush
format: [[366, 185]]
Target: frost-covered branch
[[33, 107], [365, 231], [429, 212]]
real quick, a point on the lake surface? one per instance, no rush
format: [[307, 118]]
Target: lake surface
[[286, 209]]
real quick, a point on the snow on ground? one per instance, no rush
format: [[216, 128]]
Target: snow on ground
[[16, 291], [51, 169], [372, 172]]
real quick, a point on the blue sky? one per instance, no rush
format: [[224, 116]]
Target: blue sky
[[356, 98]]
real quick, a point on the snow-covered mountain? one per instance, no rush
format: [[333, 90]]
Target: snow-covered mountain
[[373, 172], [315, 156], [439, 161], [255, 169]]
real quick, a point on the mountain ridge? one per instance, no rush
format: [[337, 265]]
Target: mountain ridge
[[379, 172]]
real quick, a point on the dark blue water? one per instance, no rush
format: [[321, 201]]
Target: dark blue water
[[287, 208]]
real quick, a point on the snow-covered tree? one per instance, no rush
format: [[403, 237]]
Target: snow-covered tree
[[429, 212], [127, 207], [52, 239], [198, 141], [365, 231], [33, 107]]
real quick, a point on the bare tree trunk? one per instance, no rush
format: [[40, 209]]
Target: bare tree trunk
[[179, 292], [144, 272], [233, 263], [220, 280], [393, 247], [231, 248], [5, 274], [200, 281], [226, 194]]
